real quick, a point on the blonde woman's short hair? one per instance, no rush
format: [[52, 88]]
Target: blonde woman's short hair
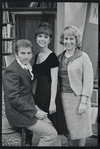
[[71, 31]]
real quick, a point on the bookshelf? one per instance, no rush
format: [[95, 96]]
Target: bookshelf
[[8, 21], [33, 4], [8, 34]]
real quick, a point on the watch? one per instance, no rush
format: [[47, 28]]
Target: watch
[[84, 103]]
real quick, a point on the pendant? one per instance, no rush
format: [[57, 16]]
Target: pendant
[[66, 60]]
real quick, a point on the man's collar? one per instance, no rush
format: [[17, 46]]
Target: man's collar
[[22, 65], [27, 67]]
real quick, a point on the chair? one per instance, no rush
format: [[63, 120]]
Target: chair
[[21, 137], [18, 137], [26, 137]]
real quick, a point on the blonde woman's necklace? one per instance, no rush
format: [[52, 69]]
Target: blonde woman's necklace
[[66, 60], [67, 56]]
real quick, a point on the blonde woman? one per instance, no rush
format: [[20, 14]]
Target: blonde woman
[[76, 85]]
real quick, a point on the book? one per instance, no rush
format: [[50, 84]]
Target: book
[[9, 59], [9, 46], [6, 46], [32, 4], [4, 5], [5, 18], [3, 62], [13, 17], [10, 17], [3, 32], [3, 46], [9, 31]]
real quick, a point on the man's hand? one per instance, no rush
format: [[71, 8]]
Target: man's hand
[[41, 114], [52, 107]]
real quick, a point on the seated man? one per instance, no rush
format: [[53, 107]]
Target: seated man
[[20, 108], [9, 135]]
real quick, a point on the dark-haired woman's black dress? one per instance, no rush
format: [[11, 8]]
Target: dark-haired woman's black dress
[[42, 73]]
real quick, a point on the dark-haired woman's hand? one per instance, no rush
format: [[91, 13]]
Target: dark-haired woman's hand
[[52, 107]]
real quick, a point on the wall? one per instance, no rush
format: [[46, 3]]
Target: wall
[[60, 25], [70, 14], [90, 39]]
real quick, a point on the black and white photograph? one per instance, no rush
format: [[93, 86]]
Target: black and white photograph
[[49, 74]]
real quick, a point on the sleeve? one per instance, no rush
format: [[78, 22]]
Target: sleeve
[[88, 76], [11, 84], [53, 60]]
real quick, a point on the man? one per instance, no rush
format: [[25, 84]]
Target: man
[[20, 108]]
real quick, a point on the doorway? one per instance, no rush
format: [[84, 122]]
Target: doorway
[[27, 24]]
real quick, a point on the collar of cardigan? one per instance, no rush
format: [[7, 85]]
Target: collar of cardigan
[[77, 54]]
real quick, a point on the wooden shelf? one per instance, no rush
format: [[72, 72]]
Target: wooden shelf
[[29, 9], [8, 39], [94, 105], [4, 53], [5, 24], [95, 85], [3, 68]]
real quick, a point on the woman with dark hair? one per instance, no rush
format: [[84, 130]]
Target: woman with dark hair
[[76, 85], [45, 69]]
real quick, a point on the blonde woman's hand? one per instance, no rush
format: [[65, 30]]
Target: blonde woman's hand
[[82, 108], [52, 107]]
